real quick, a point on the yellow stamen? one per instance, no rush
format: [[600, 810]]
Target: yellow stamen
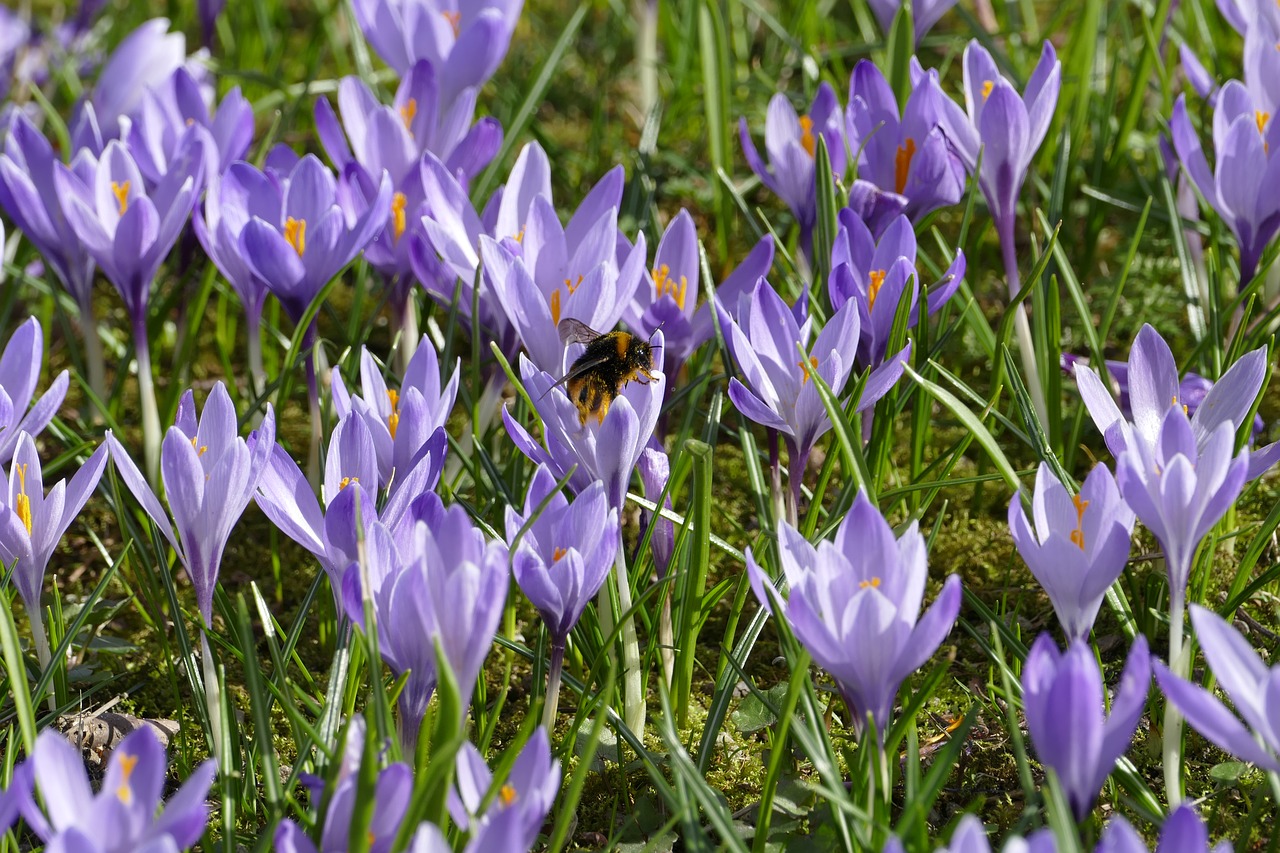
[[1261, 118], [807, 367], [23, 502], [554, 301], [125, 792], [347, 481], [572, 285], [665, 284], [806, 134], [200, 451], [558, 554], [398, 202], [1185, 410], [455, 21], [1077, 535], [873, 288], [986, 89], [393, 419], [874, 583], [408, 111], [295, 234], [902, 164], [121, 192], [519, 235], [507, 794]]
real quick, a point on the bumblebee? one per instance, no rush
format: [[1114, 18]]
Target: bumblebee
[[610, 361]]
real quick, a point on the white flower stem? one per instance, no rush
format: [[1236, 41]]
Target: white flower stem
[[1172, 742], [257, 373], [150, 412], [633, 704], [1022, 327], [552, 701]]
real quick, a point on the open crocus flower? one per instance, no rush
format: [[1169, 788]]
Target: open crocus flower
[[855, 605], [401, 422], [157, 125], [20, 365], [32, 523], [513, 817], [1151, 385], [606, 447], [1182, 832], [1248, 683], [874, 273], [925, 14], [1078, 546], [1239, 187], [122, 817], [905, 164], [210, 474], [142, 61], [791, 143], [1062, 693]]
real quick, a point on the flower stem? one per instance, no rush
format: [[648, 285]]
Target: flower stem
[[796, 464], [407, 326], [150, 412], [257, 373], [775, 478], [552, 701], [633, 706], [1022, 326], [1172, 741]]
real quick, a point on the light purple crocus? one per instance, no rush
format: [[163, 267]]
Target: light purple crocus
[[20, 366], [142, 61], [1150, 385], [32, 523], [208, 12], [855, 605], [1062, 694], [1239, 187], [925, 14], [521, 803], [791, 142], [1078, 546], [605, 448], [655, 471], [157, 125], [905, 164], [465, 41], [401, 422], [874, 273], [126, 815], [970, 836], [1248, 683], [1182, 832], [209, 475]]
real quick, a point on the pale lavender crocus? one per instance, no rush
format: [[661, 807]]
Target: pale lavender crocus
[[32, 523], [127, 814], [1243, 136], [1078, 546], [142, 61], [905, 163], [925, 14], [157, 125], [210, 474], [791, 143], [20, 366], [875, 273], [1062, 694], [855, 606], [522, 800], [970, 836], [208, 12], [1251, 733], [1182, 832]]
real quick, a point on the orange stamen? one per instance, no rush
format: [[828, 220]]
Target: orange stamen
[[902, 164], [295, 234]]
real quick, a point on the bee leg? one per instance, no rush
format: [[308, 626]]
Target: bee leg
[[602, 411]]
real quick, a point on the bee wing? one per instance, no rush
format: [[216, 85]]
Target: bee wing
[[575, 332], [579, 368]]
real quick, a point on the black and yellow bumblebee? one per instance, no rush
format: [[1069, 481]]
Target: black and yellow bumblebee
[[610, 361]]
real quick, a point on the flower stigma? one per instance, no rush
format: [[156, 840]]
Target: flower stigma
[[295, 234], [121, 192]]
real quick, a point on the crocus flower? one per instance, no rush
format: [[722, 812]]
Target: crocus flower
[[924, 14], [1062, 693], [791, 143], [32, 523], [1181, 832], [164, 114], [391, 795], [208, 11], [1243, 137], [523, 801], [1078, 546], [606, 448], [1247, 682], [141, 62], [209, 475], [464, 41], [20, 365], [855, 605], [970, 836], [906, 160], [122, 817], [401, 423], [775, 390], [1150, 386], [875, 273], [655, 471]]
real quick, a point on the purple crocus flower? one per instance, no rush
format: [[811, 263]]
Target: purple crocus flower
[[1243, 136], [160, 120], [32, 523], [523, 801], [464, 41], [874, 273], [791, 143], [401, 422], [970, 836], [1062, 693], [924, 14], [142, 61], [1150, 385], [20, 365], [122, 817], [1181, 832], [208, 11], [1248, 683], [906, 164], [855, 605], [392, 792], [1078, 546], [607, 448], [775, 390], [209, 475], [655, 471]]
